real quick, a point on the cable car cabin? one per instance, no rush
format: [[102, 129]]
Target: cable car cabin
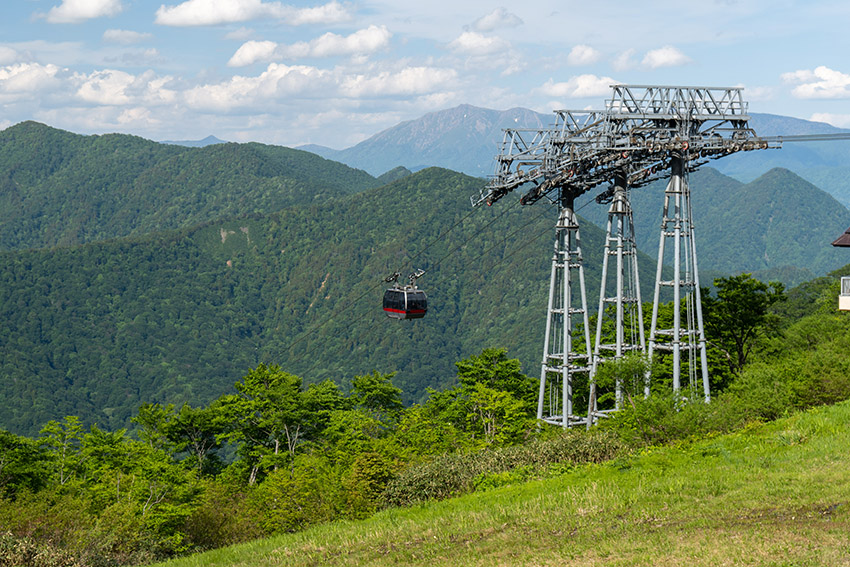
[[405, 303]]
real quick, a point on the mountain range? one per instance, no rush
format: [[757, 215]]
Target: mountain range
[[140, 272], [467, 138]]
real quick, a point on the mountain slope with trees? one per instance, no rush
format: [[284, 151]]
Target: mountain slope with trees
[[96, 330], [778, 226], [61, 189]]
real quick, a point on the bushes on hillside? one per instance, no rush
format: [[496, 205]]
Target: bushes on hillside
[[456, 473]]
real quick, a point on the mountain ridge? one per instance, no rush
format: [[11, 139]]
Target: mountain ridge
[[59, 188], [473, 153]]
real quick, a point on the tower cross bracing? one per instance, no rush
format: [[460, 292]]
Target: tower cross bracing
[[643, 134]]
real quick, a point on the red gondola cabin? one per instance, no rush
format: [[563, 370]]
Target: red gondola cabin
[[405, 303]]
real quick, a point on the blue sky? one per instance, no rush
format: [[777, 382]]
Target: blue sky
[[335, 73]]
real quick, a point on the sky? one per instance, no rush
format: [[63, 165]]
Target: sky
[[334, 73]]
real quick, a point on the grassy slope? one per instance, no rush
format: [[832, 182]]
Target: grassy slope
[[777, 494]]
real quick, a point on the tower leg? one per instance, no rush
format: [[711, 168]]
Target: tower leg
[[623, 307], [683, 337], [563, 364]]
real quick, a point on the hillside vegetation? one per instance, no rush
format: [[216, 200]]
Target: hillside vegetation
[[778, 226], [275, 455], [97, 330], [770, 495], [60, 189]]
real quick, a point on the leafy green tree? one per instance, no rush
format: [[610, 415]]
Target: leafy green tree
[[154, 420], [196, 431], [321, 401], [23, 465], [739, 315], [63, 441], [266, 417], [496, 416], [376, 393], [495, 370]]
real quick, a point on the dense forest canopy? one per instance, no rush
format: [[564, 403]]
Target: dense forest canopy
[[61, 189], [176, 317], [98, 329], [195, 355]]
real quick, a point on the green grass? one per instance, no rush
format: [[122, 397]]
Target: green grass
[[772, 495]]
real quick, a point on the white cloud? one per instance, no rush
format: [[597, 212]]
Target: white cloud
[[369, 40], [252, 51], [7, 55], [667, 56], [580, 86], [498, 18], [125, 37], [822, 82], [28, 78], [623, 61], [408, 81], [583, 55], [277, 81], [474, 43], [76, 11], [138, 116], [330, 13], [358, 43], [105, 87], [117, 88], [837, 120], [216, 12]]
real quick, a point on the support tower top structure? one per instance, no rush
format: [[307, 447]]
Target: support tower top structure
[[635, 134]]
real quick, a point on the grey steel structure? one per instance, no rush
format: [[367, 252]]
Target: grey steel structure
[[623, 307], [643, 134]]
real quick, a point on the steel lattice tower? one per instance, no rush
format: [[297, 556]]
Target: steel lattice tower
[[562, 362], [644, 132], [686, 335], [623, 307]]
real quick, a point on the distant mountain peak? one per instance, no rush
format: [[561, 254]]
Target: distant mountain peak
[[208, 141]]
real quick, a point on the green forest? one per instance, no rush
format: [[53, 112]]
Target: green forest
[[63, 189], [98, 329], [274, 454], [95, 330], [194, 352]]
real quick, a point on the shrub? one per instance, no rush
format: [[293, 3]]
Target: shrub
[[457, 473]]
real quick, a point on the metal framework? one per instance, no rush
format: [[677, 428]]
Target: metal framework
[[623, 309], [563, 362], [644, 133], [686, 335]]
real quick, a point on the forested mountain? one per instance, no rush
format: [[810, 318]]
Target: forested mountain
[[96, 330], [467, 138], [59, 188], [778, 226], [821, 163]]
